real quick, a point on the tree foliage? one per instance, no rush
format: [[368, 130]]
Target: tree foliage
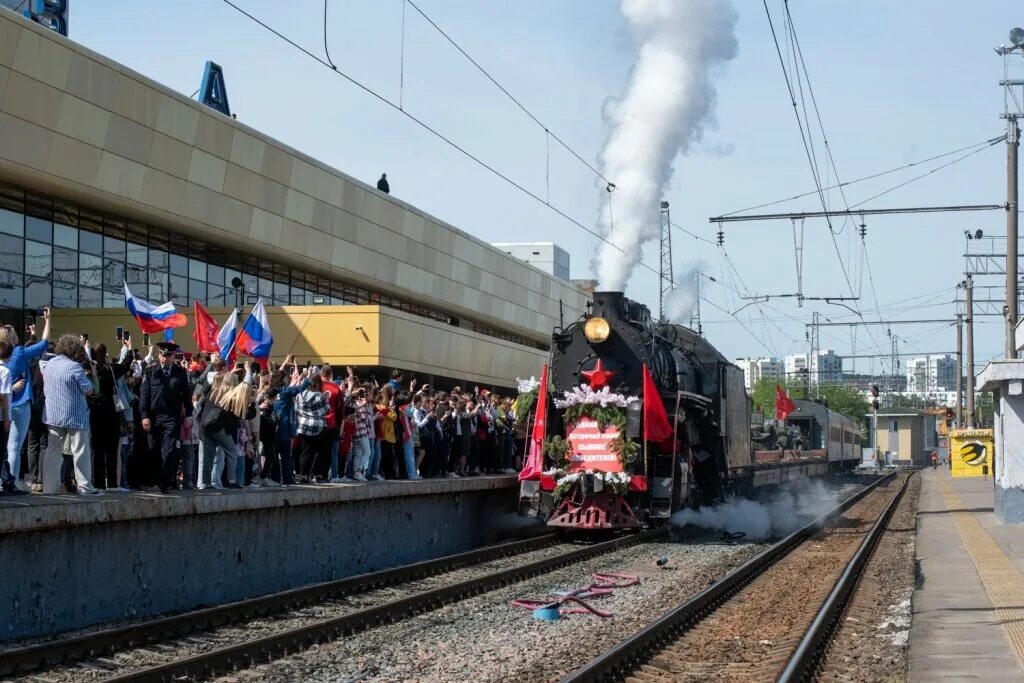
[[842, 398]]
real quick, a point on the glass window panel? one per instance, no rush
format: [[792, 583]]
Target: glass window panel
[[281, 291], [179, 290], [113, 299], [90, 242], [38, 259], [215, 275], [10, 253], [113, 276], [249, 282], [137, 275], [90, 270], [89, 298], [65, 236], [179, 265], [158, 292], [158, 260], [37, 293], [266, 288], [12, 223], [65, 295], [113, 248], [137, 254], [65, 264], [197, 290], [218, 296], [229, 275], [196, 269], [11, 289], [38, 229]]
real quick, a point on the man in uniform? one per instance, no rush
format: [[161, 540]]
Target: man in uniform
[[164, 403]]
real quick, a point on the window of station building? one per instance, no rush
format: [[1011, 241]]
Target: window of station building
[[65, 236], [39, 229], [38, 260], [90, 270], [12, 223], [12, 288]]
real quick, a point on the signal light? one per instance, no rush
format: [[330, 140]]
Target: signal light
[[874, 404], [874, 391]]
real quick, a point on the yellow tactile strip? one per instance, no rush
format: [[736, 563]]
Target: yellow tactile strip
[[1003, 582]]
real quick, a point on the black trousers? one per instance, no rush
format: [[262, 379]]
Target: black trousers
[[271, 463], [312, 455], [164, 440], [105, 438], [37, 437]]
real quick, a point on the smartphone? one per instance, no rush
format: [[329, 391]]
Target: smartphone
[[119, 333], [145, 338], [127, 335]]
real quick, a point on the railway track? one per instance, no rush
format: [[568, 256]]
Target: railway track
[[769, 619], [236, 635]]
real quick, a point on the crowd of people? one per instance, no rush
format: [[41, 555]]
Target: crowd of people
[[79, 420]]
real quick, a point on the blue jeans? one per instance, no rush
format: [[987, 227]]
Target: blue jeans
[[221, 439], [360, 459], [240, 466], [335, 442], [20, 417], [374, 468], [410, 459]]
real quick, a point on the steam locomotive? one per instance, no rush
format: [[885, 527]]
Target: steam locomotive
[[709, 452]]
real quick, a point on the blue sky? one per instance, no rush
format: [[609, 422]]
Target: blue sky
[[895, 82]]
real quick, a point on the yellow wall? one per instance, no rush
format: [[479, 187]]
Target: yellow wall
[[329, 334], [965, 460]]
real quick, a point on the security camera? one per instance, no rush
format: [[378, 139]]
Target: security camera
[[359, 327]]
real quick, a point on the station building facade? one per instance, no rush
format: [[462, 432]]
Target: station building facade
[[107, 177]]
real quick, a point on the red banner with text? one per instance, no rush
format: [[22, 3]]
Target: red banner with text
[[591, 447]]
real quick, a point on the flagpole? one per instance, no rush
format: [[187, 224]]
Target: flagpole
[[235, 342]]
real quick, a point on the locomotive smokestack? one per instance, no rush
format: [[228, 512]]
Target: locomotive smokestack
[[611, 305]]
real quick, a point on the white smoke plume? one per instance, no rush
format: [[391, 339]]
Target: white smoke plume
[[680, 302], [780, 514], [661, 113]]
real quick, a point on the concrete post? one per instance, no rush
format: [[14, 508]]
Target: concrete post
[[959, 413], [970, 351]]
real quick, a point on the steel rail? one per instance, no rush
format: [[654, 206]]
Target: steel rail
[[808, 654], [622, 658], [244, 654], [36, 655]]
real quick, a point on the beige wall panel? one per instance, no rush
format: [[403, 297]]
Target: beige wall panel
[[294, 237], [299, 207], [277, 165], [214, 136], [137, 101], [10, 35], [74, 160], [92, 81], [202, 204], [169, 155], [83, 121], [121, 176], [304, 177], [177, 120], [247, 151], [43, 60], [207, 170], [31, 100], [329, 188], [5, 73], [128, 139], [24, 143], [266, 228], [162, 191]]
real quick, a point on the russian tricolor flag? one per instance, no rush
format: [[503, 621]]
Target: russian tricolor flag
[[254, 339], [152, 318], [227, 335]]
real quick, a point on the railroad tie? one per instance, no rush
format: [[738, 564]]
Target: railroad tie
[[1003, 582]]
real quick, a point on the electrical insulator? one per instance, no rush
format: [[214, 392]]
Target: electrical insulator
[[721, 237], [863, 230]]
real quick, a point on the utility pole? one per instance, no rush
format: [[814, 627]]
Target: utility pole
[[959, 371], [666, 276], [1012, 145], [969, 284], [813, 362]]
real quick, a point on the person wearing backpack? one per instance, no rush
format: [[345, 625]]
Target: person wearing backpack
[[225, 408]]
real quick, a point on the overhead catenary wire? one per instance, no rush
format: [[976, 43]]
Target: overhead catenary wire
[[433, 131], [510, 96], [327, 52]]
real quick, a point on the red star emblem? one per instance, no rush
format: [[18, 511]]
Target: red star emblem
[[598, 377]]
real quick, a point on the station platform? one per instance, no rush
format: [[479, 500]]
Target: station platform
[[72, 562], [968, 606], [37, 512]]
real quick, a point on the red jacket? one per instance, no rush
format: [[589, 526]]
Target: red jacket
[[334, 398]]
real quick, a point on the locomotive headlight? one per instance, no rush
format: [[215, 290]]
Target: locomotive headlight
[[597, 330]]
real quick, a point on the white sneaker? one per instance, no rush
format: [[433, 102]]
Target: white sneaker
[[270, 483], [22, 486], [346, 480], [336, 480], [88, 492], [415, 478], [253, 485], [378, 477], [453, 475], [359, 476]]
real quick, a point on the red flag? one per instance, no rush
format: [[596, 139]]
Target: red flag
[[783, 404], [657, 428], [534, 455], [206, 331]]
